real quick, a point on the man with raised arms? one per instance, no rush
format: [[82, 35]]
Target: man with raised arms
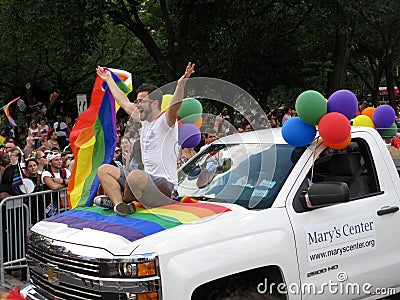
[[154, 185]]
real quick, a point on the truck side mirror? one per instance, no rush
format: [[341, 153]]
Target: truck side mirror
[[322, 194]]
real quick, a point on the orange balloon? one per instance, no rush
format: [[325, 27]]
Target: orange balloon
[[339, 146], [199, 122], [369, 111]]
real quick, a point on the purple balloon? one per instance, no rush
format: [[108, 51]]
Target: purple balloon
[[188, 135], [384, 116], [344, 102]]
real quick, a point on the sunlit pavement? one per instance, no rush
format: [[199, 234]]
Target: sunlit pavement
[[11, 283]]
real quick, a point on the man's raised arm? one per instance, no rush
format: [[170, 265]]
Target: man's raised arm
[[120, 97], [177, 98]]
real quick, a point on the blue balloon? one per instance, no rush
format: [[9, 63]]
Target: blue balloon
[[298, 133]]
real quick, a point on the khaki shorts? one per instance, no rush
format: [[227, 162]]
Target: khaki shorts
[[158, 191]]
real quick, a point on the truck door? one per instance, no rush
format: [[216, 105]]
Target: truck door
[[348, 250]]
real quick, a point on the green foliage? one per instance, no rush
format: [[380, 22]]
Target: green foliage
[[274, 49]]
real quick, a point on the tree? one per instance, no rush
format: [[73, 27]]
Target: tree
[[143, 18], [52, 47], [378, 38]]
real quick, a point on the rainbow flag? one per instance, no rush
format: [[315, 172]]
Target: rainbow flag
[[93, 139], [6, 109], [143, 223]]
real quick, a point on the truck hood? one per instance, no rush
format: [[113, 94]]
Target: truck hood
[[225, 228], [100, 228]]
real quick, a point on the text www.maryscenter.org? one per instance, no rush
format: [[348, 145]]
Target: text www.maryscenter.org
[[338, 251]]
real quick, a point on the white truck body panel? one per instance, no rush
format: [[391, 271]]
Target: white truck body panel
[[306, 246]]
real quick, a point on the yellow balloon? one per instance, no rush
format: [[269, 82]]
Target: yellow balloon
[[363, 120], [166, 100]]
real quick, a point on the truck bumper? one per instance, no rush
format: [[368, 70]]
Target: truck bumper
[[29, 292]]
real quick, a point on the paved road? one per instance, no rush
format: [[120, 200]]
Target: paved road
[[11, 283]]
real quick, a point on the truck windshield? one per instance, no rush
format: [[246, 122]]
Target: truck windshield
[[250, 175]]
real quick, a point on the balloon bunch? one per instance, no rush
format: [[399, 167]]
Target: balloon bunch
[[189, 120], [382, 118], [332, 117]]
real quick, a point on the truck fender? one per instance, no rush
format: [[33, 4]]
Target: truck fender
[[196, 266]]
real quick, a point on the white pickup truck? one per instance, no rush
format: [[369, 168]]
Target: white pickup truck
[[294, 223]]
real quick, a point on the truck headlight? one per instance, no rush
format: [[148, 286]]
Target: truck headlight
[[128, 270], [134, 267], [138, 270]]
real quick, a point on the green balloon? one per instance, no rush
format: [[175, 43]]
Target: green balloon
[[388, 133], [190, 110], [311, 107]]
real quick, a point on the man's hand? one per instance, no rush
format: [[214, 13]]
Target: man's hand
[[103, 73], [188, 72], [58, 180], [119, 96], [177, 98], [218, 119]]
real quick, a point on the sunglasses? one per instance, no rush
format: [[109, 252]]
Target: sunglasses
[[53, 153]]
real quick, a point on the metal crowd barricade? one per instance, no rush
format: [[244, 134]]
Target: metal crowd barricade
[[18, 214]]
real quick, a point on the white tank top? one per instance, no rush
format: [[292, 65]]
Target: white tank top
[[159, 145]]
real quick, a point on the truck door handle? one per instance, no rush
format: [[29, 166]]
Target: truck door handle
[[387, 210]]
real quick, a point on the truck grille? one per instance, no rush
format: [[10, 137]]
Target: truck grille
[[63, 262], [62, 291], [57, 271]]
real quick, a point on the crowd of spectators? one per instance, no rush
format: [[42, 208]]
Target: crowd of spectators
[[36, 149], [213, 127], [42, 136]]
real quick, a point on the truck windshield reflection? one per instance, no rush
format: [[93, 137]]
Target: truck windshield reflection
[[250, 175]]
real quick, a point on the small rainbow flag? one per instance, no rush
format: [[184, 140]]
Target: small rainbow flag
[[143, 223], [93, 139], [6, 109], [2, 139]]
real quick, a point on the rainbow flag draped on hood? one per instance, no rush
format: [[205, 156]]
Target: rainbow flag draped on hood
[[93, 139], [143, 223]]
